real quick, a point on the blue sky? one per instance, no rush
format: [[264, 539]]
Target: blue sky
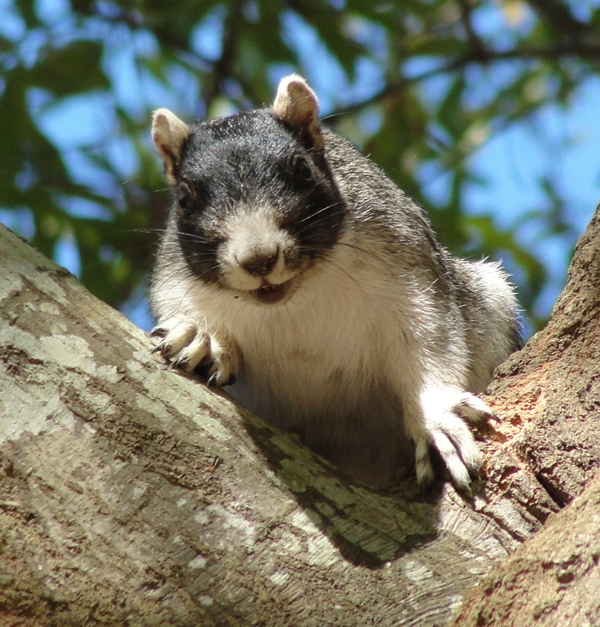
[[515, 160]]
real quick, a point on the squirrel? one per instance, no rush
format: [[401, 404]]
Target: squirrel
[[294, 270]]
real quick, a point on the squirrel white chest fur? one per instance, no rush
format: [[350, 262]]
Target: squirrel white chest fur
[[292, 266]]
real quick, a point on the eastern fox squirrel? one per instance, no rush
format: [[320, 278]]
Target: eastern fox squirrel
[[295, 270]]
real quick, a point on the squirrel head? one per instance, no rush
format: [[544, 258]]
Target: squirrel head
[[256, 204]]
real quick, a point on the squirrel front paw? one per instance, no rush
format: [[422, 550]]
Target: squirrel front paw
[[190, 345], [445, 429]]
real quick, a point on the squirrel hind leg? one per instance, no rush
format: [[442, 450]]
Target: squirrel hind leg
[[455, 444], [473, 409], [444, 428]]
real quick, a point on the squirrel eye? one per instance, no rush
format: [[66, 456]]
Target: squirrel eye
[[302, 172], [184, 200], [185, 196]]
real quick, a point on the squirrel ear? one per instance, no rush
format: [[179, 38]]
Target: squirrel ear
[[297, 105], [169, 134]]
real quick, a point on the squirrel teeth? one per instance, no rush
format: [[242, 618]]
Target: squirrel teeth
[[270, 293], [270, 287]]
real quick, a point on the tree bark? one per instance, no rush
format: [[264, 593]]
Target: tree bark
[[549, 397], [131, 494]]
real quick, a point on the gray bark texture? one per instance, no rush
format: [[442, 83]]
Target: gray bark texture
[[131, 494]]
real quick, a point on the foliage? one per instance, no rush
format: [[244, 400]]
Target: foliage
[[418, 84]]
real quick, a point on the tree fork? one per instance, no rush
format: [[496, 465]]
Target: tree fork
[[131, 494]]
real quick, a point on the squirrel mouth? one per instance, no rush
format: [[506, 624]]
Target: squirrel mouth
[[271, 293]]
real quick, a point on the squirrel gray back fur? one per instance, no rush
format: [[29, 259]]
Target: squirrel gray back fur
[[293, 265]]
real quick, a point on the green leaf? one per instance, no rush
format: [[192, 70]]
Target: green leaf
[[71, 69]]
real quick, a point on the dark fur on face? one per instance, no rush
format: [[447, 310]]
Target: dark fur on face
[[218, 171]]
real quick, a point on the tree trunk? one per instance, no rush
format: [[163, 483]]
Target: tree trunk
[[549, 397], [130, 494]]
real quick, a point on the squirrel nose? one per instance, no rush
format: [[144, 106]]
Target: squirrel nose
[[259, 262]]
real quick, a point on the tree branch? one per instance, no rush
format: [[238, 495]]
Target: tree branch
[[112, 499], [130, 493], [483, 56], [223, 67]]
